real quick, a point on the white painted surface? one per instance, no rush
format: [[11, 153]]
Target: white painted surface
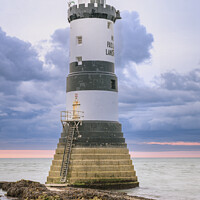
[[97, 105], [95, 36], [89, 1], [83, 1]]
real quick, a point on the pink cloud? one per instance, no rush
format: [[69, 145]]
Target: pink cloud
[[50, 153], [175, 143], [26, 153], [166, 154]]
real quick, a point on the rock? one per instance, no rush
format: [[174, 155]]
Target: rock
[[1, 184], [32, 190], [6, 186]]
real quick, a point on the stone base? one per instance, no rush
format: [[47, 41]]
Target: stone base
[[96, 168], [95, 162]]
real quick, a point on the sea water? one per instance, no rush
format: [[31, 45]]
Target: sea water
[[160, 178]]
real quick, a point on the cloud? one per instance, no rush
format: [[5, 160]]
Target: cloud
[[32, 93], [161, 113], [175, 143], [132, 42], [18, 60], [167, 154], [58, 57], [174, 81]]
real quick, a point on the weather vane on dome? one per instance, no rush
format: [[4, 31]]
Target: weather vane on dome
[[70, 3]]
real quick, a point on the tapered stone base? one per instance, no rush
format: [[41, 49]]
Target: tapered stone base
[[97, 166]]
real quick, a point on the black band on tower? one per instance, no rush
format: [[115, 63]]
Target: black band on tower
[[92, 81], [98, 134], [92, 66]]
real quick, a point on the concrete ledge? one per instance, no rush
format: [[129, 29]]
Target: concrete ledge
[[94, 156], [95, 151], [101, 162], [99, 180], [94, 162], [113, 174], [100, 151], [121, 185], [79, 168], [108, 168], [97, 174]]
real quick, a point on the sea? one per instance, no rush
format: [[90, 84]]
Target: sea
[[160, 178]]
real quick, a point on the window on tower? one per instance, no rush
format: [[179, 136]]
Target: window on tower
[[79, 40], [109, 25], [79, 60], [113, 85]]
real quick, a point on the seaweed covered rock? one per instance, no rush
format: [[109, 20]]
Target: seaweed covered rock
[[1, 184], [30, 190], [24, 189]]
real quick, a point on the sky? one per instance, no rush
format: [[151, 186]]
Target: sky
[[157, 63]]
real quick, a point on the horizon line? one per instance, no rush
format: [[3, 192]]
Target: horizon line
[[50, 154]]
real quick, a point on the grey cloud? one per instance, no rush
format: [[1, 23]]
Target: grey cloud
[[59, 55], [30, 103], [175, 81], [133, 43], [61, 37], [167, 108], [18, 61], [30, 97]]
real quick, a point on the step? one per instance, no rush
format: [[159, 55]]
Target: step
[[83, 168], [113, 174], [56, 180], [94, 157], [95, 150], [54, 174], [53, 180], [101, 162], [55, 168], [104, 179], [100, 151], [100, 134], [130, 173], [99, 156], [95, 168], [59, 156]]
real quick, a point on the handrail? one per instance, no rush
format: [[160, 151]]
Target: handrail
[[71, 115]]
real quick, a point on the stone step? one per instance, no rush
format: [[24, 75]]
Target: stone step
[[103, 179], [99, 134], [93, 145], [79, 168], [99, 156], [94, 157], [108, 168], [96, 174], [95, 162], [95, 140], [55, 180], [95, 151], [55, 168], [89, 180]]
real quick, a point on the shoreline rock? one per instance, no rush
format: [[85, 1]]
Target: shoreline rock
[[29, 190]]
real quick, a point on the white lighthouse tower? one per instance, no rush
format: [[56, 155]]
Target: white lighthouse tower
[[92, 151]]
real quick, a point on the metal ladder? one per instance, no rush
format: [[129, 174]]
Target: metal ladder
[[67, 153]]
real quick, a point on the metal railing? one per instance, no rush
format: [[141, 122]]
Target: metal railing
[[67, 116]]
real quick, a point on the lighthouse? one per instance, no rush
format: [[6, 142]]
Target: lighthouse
[[92, 151]]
